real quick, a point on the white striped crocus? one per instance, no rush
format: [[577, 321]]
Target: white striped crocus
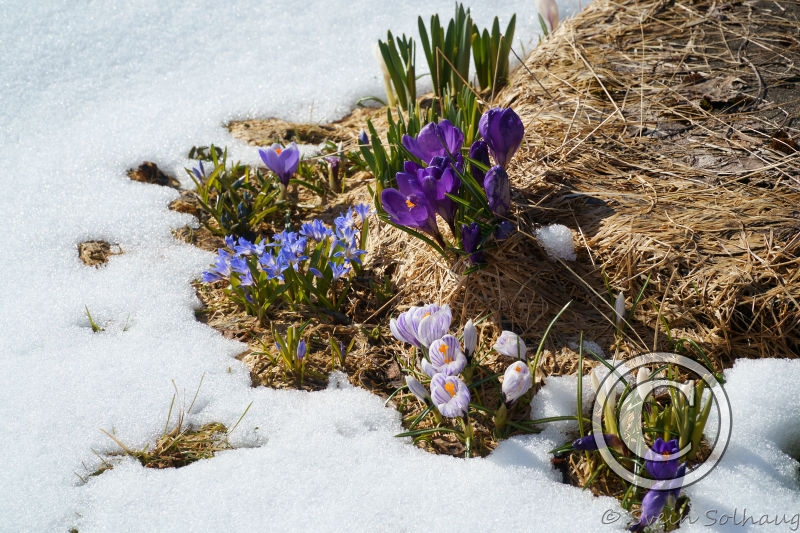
[[516, 381], [511, 345], [446, 356], [418, 389], [450, 395]]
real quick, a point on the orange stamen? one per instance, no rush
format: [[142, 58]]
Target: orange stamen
[[411, 205], [450, 387]]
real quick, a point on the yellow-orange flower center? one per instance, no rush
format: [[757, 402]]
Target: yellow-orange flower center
[[443, 350], [518, 368], [278, 150], [450, 387], [411, 205]]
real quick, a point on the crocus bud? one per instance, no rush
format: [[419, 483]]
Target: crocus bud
[[502, 130], [619, 308], [688, 390], [641, 376], [301, 349], [498, 190], [417, 389], [511, 345], [470, 339], [470, 239], [362, 138], [548, 10], [516, 381]]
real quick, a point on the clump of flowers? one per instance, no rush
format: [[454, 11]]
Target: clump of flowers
[[471, 195], [313, 266], [447, 375]]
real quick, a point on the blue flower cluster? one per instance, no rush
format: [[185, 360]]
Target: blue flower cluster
[[301, 267]]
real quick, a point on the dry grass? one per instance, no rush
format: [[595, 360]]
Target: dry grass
[[664, 134]]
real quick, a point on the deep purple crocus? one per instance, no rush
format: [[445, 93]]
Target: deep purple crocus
[[450, 395], [661, 460], [498, 190], [411, 210], [589, 443], [502, 130], [282, 161], [479, 151], [665, 491], [470, 239], [442, 139]]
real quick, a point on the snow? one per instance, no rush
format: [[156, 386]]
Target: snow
[[556, 239], [90, 89]]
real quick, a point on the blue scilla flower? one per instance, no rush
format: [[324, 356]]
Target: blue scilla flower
[[339, 270], [273, 265], [363, 211], [239, 266], [221, 269], [316, 230], [245, 247], [350, 252], [345, 220]]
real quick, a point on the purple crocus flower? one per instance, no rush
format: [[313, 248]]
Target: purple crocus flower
[[301, 349], [498, 190], [442, 139], [410, 210], [282, 161], [502, 130], [665, 491], [479, 151], [450, 395], [362, 138], [446, 356], [516, 381], [511, 345], [661, 460], [470, 239], [589, 443]]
